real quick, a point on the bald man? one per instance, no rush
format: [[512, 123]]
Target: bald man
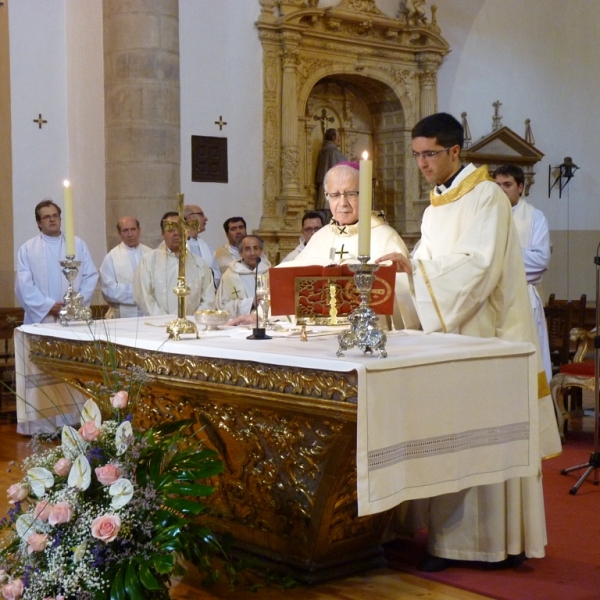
[[118, 267]]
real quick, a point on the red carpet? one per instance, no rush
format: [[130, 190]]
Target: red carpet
[[571, 568]]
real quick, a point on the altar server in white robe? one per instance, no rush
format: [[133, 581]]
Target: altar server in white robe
[[156, 276], [192, 212], [337, 243], [118, 267], [469, 278], [40, 284], [237, 289], [534, 237]]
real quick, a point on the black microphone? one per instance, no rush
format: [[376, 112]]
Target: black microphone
[[258, 333]]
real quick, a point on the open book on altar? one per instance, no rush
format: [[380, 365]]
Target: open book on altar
[[307, 292]]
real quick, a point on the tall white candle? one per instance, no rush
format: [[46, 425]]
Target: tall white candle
[[67, 214], [364, 205]]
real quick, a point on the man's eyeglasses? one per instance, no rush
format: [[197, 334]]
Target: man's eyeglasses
[[310, 229], [50, 217], [201, 214], [348, 195], [429, 154]]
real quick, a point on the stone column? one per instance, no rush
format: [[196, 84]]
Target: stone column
[[141, 79], [428, 69]]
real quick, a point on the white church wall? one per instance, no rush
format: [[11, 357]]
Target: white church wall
[[69, 95], [221, 71], [541, 64]]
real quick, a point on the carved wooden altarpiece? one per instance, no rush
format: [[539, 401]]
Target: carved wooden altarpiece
[[374, 75]]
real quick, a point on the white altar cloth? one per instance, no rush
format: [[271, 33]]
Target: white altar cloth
[[441, 413]]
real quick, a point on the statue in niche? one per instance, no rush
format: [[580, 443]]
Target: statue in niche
[[414, 11]]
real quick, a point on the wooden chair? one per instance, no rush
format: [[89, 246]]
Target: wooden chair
[[9, 319], [558, 319], [578, 374]]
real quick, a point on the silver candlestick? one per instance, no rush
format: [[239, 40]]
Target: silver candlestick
[[364, 329], [73, 308]]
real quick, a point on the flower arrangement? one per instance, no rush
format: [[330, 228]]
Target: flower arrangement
[[109, 513]]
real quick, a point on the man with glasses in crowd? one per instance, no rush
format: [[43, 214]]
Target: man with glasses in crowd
[[337, 243], [192, 212], [468, 278], [40, 284], [312, 221]]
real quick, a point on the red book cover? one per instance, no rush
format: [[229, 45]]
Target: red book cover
[[306, 291]]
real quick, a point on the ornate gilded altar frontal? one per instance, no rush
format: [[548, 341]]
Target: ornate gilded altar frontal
[[287, 437]]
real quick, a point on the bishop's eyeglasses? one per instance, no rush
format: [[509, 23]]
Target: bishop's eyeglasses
[[337, 195]]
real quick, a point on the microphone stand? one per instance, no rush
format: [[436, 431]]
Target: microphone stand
[[258, 333], [593, 464]]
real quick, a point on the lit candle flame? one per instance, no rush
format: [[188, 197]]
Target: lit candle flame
[[365, 155], [66, 183]]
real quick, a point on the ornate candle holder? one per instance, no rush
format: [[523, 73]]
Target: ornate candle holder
[[364, 329], [73, 308]]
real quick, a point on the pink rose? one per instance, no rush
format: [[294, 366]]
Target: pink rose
[[13, 590], [89, 432], [62, 467], [120, 399], [107, 474], [106, 527], [37, 542], [17, 492], [42, 510], [61, 512]]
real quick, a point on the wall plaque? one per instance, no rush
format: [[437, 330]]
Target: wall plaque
[[209, 159]]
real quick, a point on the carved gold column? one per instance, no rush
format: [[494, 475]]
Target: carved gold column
[[141, 79]]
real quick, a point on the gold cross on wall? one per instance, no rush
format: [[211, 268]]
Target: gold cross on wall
[[236, 293], [341, 252], [220, 123], [40, 121]]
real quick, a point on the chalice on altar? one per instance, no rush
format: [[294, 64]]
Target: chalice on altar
[[211, 319], [263, 297]]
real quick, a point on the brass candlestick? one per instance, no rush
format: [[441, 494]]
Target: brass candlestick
[[73, 308], [181, 324], [364, 329]]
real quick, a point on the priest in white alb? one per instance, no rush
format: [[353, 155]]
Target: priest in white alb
[[337, 243], [236, 293], [468, 278], [157, 273], [117, 269], [40, 284], [192, 212]]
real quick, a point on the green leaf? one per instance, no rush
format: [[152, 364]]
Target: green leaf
[[163, 563], [187, 507], [147, 578], [132, 583], [188, 489], [117, 590]]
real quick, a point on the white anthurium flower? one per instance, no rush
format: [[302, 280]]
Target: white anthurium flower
[[24, 525], [91, 412], [72, 443], [122, 436], [80, 475], [40, 480], [122, 492], [79, 552]]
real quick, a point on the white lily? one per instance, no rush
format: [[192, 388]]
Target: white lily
[[91, 412], [122, 437], [80, 475], [122, 492], [24, 525], [40, 480], [72, 443]]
